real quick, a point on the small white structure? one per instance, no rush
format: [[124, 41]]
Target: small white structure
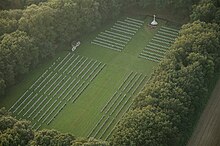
[[75, 44], [154, 22]]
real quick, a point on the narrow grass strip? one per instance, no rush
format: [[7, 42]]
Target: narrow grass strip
[[42, 108], [101, 126], [56, 114], [96, 125]]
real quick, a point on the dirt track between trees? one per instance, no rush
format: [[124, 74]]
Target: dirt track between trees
[[207, 131]]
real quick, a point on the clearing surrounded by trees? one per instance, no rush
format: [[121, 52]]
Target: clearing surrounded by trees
[[90, 89], [109, 72]]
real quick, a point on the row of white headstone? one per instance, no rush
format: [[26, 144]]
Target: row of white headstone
[[32, 93], [119, 35], [118, 104], [159, 44]]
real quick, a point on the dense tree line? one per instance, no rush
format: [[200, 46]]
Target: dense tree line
[[164, 111], [171, 4], [36, 32], [207, 11], [19, 132], [16, 4]]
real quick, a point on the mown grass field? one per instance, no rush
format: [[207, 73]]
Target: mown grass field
[[84, 117]]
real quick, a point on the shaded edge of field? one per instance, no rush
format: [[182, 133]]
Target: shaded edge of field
[[207, 131]]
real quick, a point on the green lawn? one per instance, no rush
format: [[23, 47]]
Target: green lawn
[[80, 117]]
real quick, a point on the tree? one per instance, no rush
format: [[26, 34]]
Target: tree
[[38, 23], [51, 138], [74, 18], [18, 54], [10, 4], [205, 40], [9, 21], [147, 126], [2, 85], [17, 4], [174, 4], [89, 142], [109, 9], [14, 132], [205, 11], [217, 16], [7, 26], [30, 2]]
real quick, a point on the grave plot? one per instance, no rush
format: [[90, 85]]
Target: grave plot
[[62, 83], [160, 43], [117, 105], [119, 34]]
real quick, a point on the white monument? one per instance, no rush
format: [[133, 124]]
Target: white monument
[[154, 22], [75, 44]]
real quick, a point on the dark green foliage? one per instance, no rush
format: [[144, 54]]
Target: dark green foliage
[[176, 89], [18, 54], [83, 16], [2, 81], [207, 11], [51, 138], [17, 4], [9, 21], [29, 2], [201, 38], [217, 16], [37, 22], [89, 142], [10, 4], [147, 126], [14, 132], [174, 4], [109, 9]]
